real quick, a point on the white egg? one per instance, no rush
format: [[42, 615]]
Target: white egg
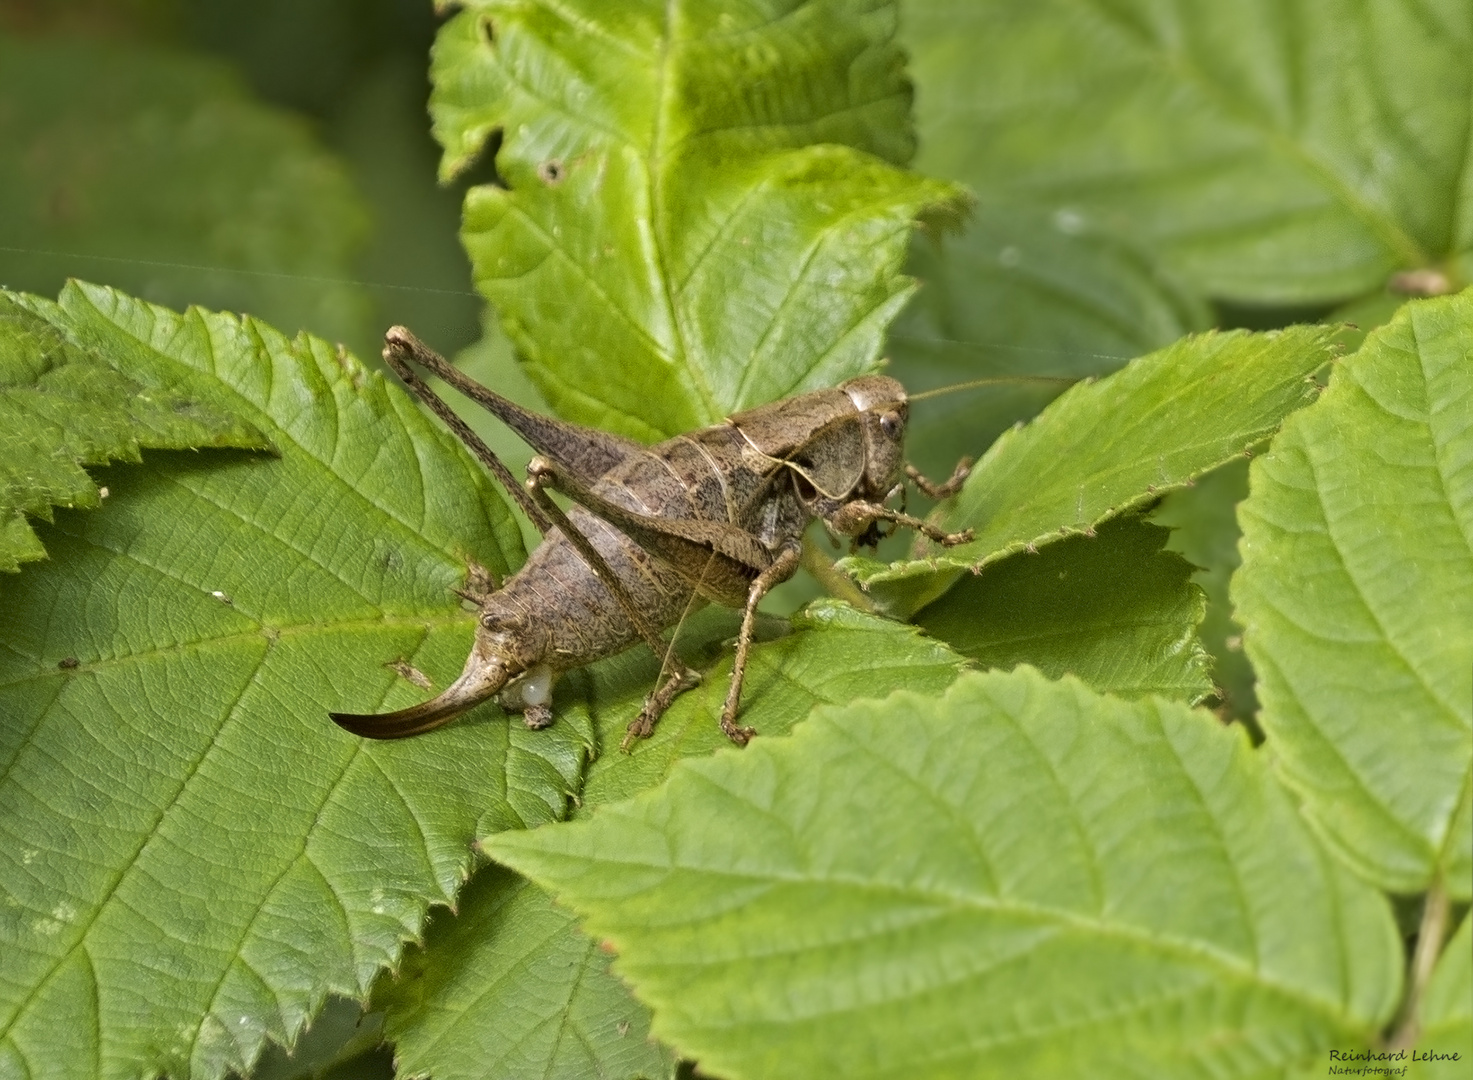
[[536, 685]]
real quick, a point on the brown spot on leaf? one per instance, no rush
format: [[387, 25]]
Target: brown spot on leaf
[[349, 366], [405, 670], [479, 581]]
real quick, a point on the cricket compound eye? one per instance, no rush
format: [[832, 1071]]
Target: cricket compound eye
[[890, 424]]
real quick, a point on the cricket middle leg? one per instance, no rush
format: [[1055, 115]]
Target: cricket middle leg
[[781, 569]]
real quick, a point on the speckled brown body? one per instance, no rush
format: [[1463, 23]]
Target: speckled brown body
[[713, 515], [556, 611]]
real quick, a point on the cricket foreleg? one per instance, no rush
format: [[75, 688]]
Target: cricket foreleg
[[781, 569], [941, 491], [853, 518]]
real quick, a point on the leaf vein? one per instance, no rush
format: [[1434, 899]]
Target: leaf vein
[[149, 835]]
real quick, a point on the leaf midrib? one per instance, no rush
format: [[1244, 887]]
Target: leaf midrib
[[1173, 945], [1385, 228], [268, 633], [655, 158]]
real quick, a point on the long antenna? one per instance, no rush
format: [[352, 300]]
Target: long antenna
[[995, 380]]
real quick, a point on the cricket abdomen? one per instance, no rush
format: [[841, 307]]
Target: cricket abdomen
[[552, 615], [567, 616]]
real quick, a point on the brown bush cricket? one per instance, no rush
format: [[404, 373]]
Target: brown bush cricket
[[713, 515]]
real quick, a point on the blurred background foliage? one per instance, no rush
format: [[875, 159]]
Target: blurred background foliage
[[270, 156]]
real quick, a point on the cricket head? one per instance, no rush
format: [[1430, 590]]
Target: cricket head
[[502, 651], [883, 410]]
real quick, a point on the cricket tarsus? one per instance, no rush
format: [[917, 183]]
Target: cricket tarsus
[[643, 725], [717, 515], [855, 517]]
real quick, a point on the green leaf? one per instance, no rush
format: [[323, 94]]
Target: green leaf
[[1356, 591], [832, 656], [506, 986], [1114, 610], [1021, 878], [19, 540], [1204, 528], [342, 1044], [158, 172], [63, 406], [1364, 314], [1016, 294], [1271, 152], [1111, 446], [674, 244], [1446, 1014], [172, 787], [509, 987]]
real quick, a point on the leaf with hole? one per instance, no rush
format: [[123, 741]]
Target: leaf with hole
[[703, 209]]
